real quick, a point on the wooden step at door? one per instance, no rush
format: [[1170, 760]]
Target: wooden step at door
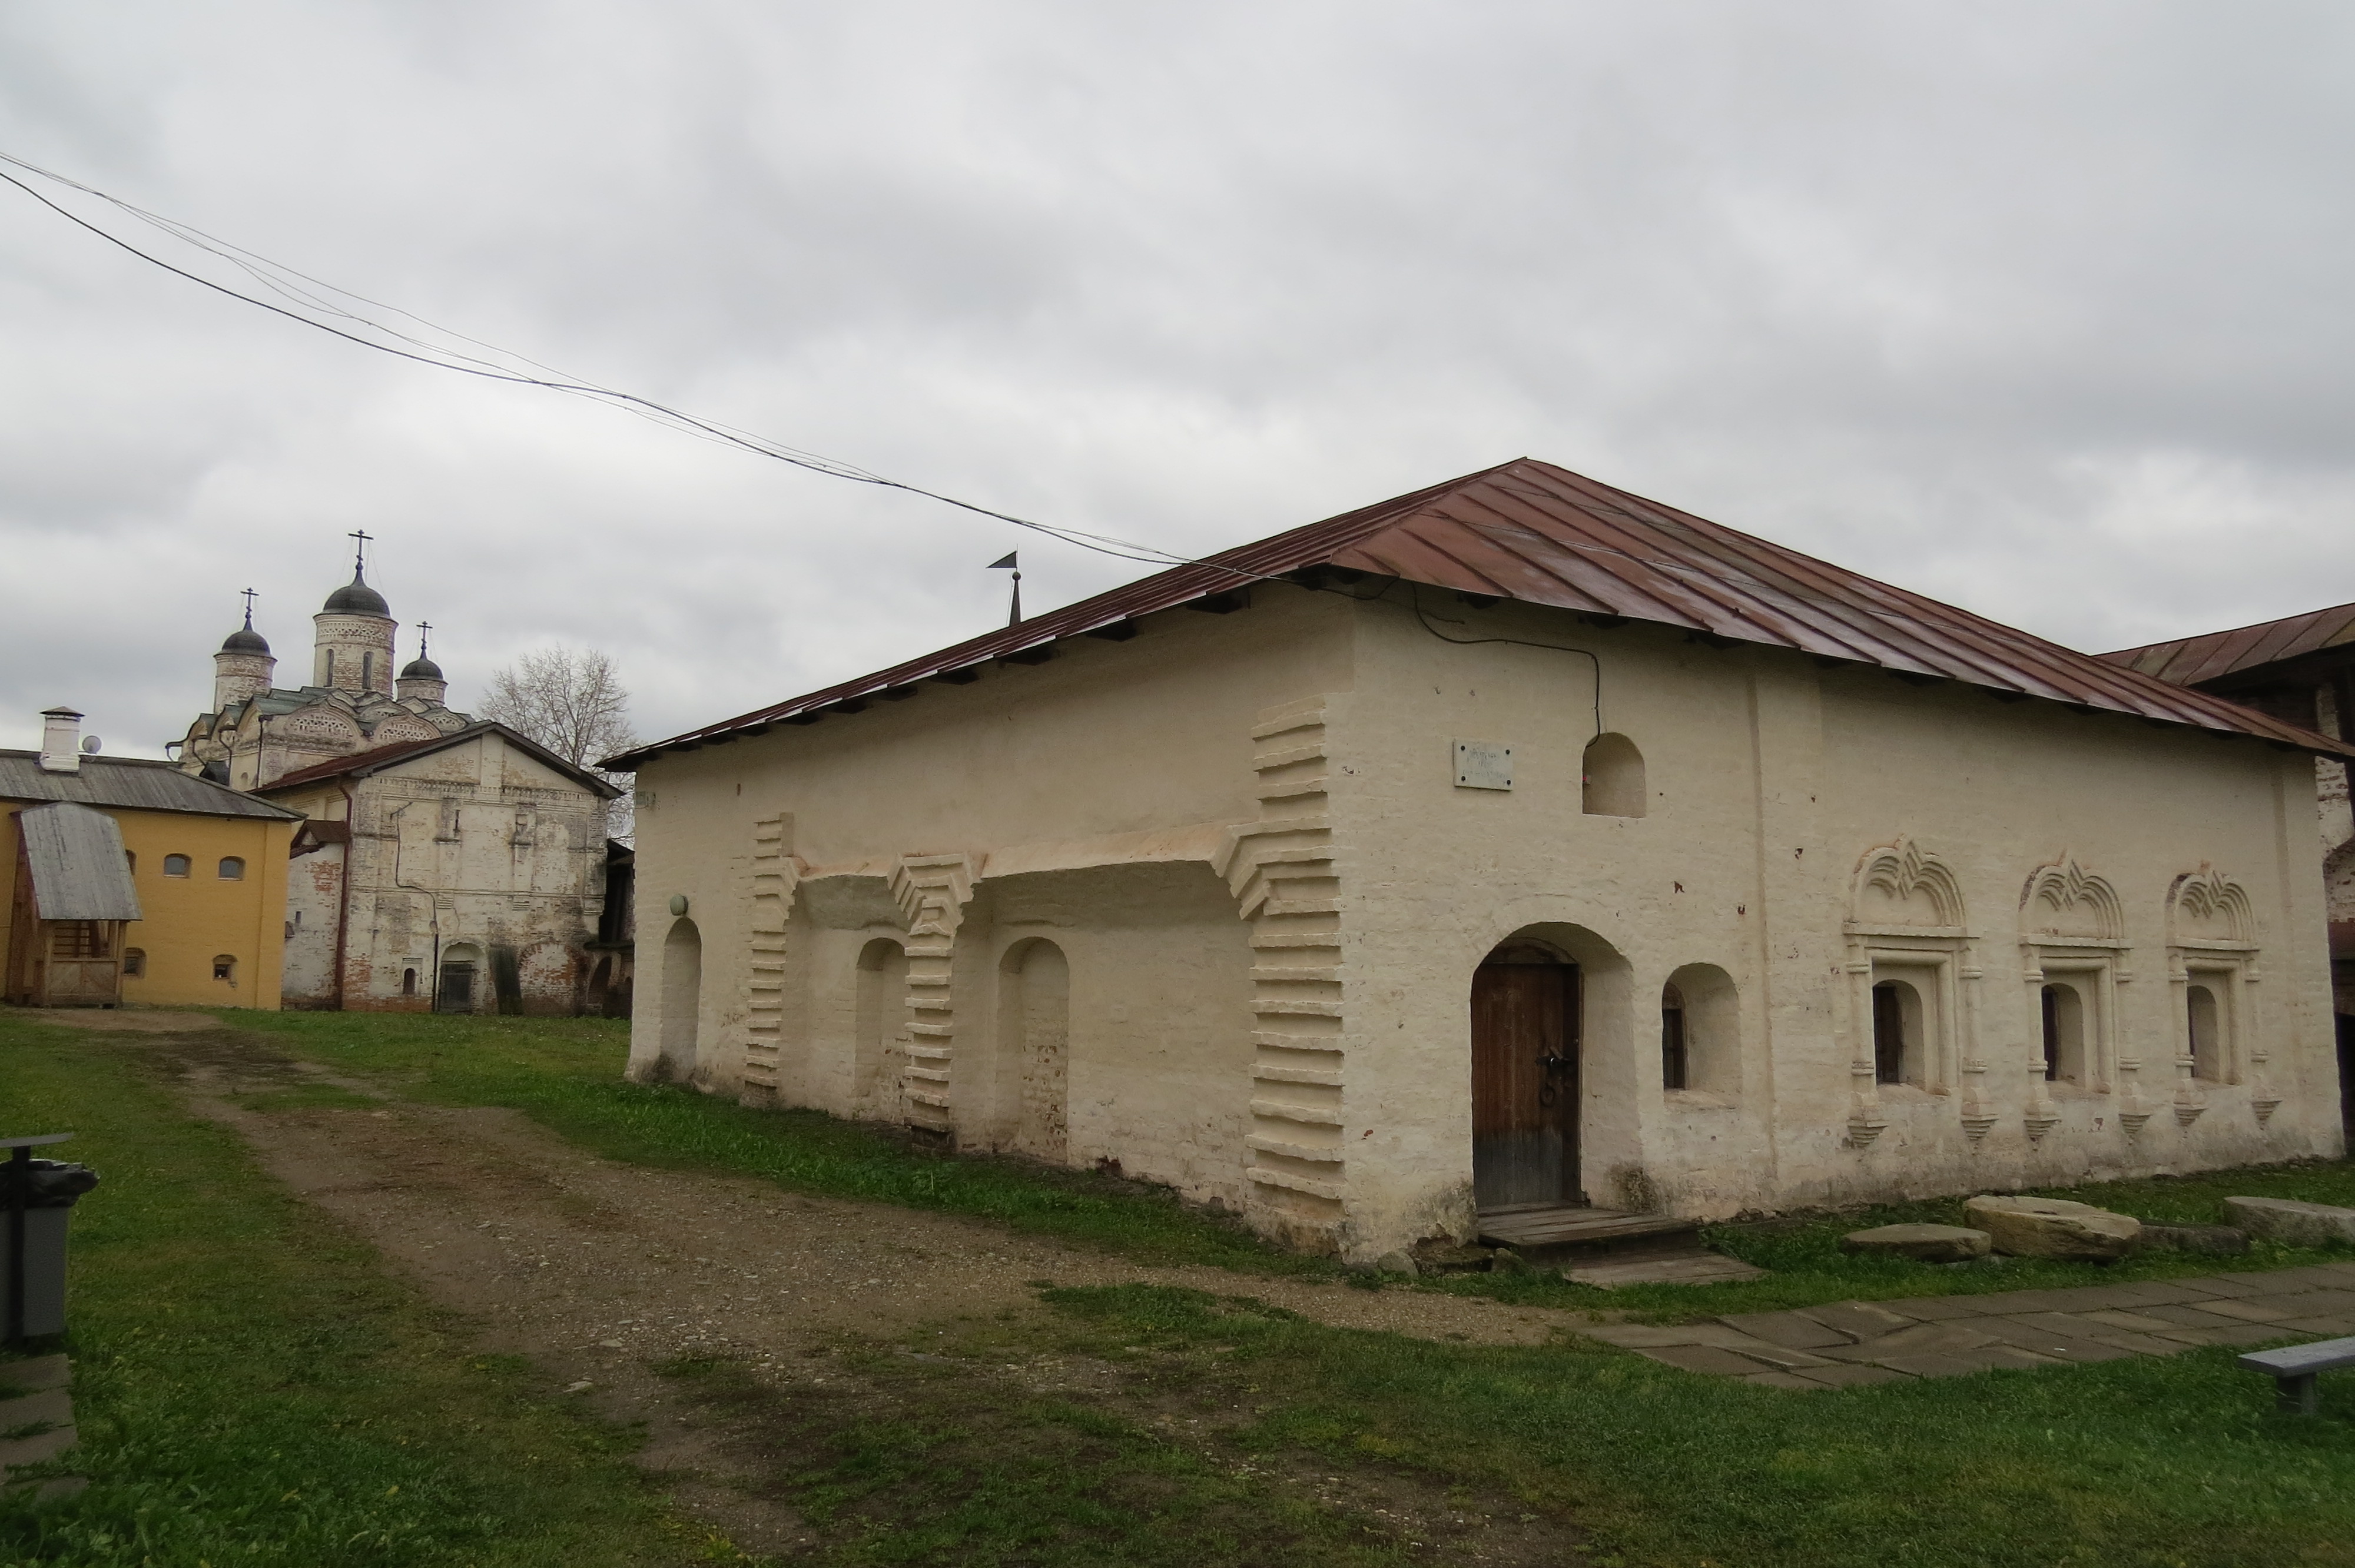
[[1567, 1230]]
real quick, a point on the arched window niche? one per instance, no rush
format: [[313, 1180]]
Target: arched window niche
[[1900, 1033], [2204, 1022], [1701, 1054], [879, 1021], [1034, 1014], [682, 1000], [1612, 776], [2067, 1063]]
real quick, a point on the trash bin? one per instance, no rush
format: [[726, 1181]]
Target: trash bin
[[35, 1197]]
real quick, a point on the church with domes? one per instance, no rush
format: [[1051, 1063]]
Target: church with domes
[[444, 863], [258, 732]]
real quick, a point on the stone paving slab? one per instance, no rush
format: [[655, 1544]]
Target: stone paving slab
[[2192, 1317], [1933, 1309], [45, 1404], [1858, 1319], [1848, 1377], [48, 1445], [38, 1372], [1851, 1343], [2250, 1309], [1795, 1330], [1683, 1268], [54, 1406], [2133, 1322], [1707, 1358]]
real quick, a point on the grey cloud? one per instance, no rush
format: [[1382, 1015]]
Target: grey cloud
[[2034, 307]]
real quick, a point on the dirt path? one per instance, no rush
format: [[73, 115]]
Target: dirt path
[[600, 1271]]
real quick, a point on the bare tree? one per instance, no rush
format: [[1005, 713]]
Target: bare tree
[[573, 702]]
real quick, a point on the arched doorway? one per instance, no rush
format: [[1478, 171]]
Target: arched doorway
[[682, 997], [453, 986], [1526, 1015], [1034, 1031]]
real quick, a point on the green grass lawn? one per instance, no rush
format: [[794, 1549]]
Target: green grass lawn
[[252, 1386], [237, 1349], [565, 1073]]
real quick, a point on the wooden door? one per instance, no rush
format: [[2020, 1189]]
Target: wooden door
[[457, 992], [1525, 1039]]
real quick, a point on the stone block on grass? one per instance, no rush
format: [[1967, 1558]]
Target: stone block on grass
[[2291, 1223], [1923, 1243], [2053, 1227]]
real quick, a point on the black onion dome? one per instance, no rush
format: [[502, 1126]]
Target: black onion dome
[[421, 668], [245, 639], [356, 597]]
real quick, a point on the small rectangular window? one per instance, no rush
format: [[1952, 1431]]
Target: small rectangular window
[[232, 869], [134, 963], [175, 865]]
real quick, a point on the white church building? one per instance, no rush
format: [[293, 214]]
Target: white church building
[[444, 863]]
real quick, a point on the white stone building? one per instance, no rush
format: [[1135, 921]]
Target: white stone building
[[443, 863], [1514, 844]]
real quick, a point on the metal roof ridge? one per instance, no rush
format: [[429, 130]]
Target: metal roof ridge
[[1681, 570]]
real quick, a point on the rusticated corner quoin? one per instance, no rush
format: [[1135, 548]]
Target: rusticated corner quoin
[[776, 875], [1283, 872], [932, 891]]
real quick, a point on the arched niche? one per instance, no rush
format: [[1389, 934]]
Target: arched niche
[[458, 982], [2064, 899], [881, 1014], [1034, 1013], [1613, 779], [1900, 1030], [2206, 906], [1902, 885], [1701, 1031], [682, 998], [1552, 1096]]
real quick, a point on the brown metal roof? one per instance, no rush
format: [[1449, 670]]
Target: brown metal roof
[[360, 764], [2188, 661], [1530, 530], [128, 783]]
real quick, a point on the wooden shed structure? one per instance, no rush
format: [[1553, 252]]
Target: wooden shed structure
[[73, 898]]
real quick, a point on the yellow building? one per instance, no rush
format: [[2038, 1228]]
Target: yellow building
[[208, 864]]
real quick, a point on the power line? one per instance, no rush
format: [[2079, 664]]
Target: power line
[[304, 293]]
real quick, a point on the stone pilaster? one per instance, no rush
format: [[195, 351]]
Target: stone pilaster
[[775, 876], [932, 891], [1284, 871]]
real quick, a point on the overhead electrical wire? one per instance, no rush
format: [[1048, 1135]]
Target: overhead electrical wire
[[304, 294]]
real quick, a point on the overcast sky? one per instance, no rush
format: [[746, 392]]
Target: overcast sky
[[2039, 307]]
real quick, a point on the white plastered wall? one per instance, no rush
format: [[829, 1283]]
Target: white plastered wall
[[1770, 779], [1047, 800]]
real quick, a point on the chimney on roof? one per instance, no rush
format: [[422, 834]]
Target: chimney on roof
[[60, 741]]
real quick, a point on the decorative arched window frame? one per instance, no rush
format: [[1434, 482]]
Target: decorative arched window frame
[[2211, 940], [1935, 956], [2072, 932]]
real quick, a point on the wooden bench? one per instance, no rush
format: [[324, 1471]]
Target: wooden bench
[[2293, 1371]]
